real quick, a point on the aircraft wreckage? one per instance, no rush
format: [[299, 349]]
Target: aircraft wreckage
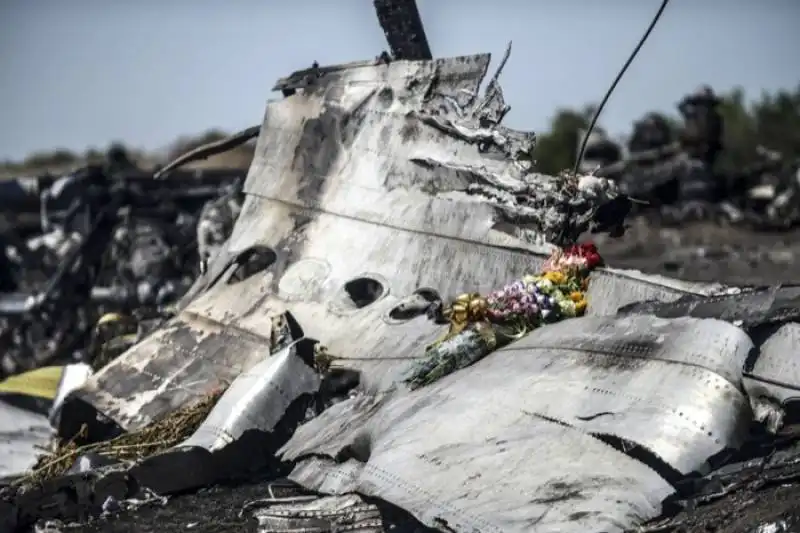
[[378, 190]]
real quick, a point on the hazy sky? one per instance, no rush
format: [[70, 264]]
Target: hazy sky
[[81, 73]]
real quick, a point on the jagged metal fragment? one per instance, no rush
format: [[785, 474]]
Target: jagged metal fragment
[[304, 514], [178, 364], [773, 384], [73, 377], [357, 223], [750, 308], [257, 399], [611, 288], [403, 28], [465, 463], [266, 402]]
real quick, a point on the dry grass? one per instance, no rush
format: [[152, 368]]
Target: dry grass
[[154, 438], [62, 161]]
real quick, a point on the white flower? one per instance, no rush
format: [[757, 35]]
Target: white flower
[[545, 285]]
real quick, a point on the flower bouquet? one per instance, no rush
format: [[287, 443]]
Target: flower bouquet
[[479, 325]]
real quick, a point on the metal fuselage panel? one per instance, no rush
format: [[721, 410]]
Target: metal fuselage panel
[[776, 372], [334, 192], [337, 191], [466, 459]]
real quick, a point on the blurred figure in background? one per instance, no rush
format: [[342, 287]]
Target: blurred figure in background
[[701, 140], [652, 132]]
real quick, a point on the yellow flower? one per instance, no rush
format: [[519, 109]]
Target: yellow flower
[[580, 307], [558, 278], [576, 296]]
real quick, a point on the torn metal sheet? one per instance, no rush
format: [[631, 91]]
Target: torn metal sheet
[[612, 288], [73, 377], [491, 469], [254, 416], [303, 514], [773, 384], [748, 308], [258, 399], [180, 363], [371, 182]]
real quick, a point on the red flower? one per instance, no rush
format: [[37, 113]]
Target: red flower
[[588, 251]]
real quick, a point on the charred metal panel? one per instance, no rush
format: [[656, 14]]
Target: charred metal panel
[[393, 177], [610, 289], [748, 308], [723, 349], [332, 191], [180, 363], [402, 25], [670, 386], [469, 463]]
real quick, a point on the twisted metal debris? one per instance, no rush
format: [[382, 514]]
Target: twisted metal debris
[[115, 240], [589, 425]]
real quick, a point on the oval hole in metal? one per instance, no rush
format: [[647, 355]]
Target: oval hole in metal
[[363, 291], [414, 305], [252, 261], [792, 412]]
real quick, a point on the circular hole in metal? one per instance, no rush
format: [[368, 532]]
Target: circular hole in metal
[[252, 261], [363, 291]]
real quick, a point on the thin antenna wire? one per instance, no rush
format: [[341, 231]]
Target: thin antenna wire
[[611, 89]]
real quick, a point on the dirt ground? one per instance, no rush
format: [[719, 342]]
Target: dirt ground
[[700, 252], [707, 252]]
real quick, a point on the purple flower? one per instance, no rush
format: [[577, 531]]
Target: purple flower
[[517, 287]]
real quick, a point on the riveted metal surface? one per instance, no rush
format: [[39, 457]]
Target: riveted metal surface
[[642, 380], [471, 463], [626, 384], [776, 372], [648, 337]]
